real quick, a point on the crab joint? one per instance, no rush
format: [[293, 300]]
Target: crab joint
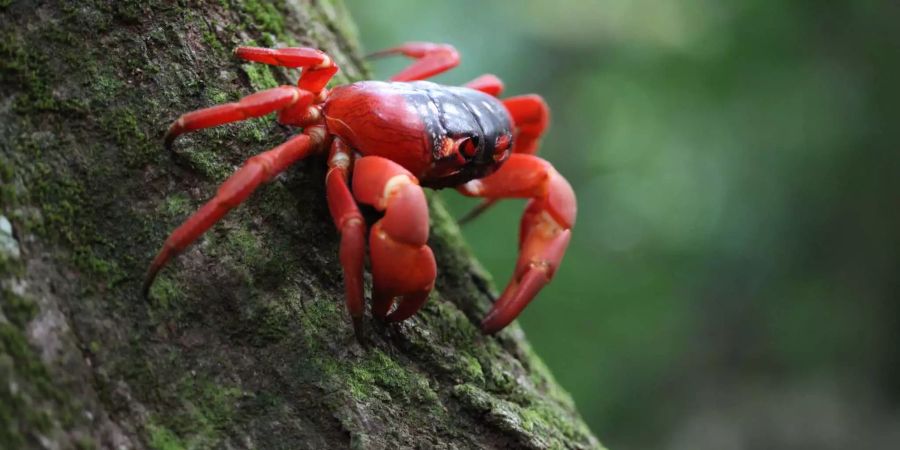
[[392, 186]]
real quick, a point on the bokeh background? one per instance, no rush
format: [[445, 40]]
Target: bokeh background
[[732, 282]]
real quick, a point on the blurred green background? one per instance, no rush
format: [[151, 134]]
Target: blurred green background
[[732, 279]]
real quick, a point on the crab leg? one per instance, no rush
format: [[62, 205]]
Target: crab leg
[[402, 263], [487, 83], [318, 67], [349, 221], [253, 105], [531, 117], [232, 192], [430, 59], [544, 232]]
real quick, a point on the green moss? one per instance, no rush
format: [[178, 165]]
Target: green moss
[[8, 194], [17, 309], [13, 344], [267, 321], [166, 293], [246, 248], [256, 130], [217, 96], [106, 87], [85, 443], [213, 41], [105, 269], [162, 438], [321, 315], [260, 76], [27, 69], [500, 380], [265, 15], [128, 12], [64, 204], [133, 143], [36, 405], [453, 325], [473, 397], [204, 407], [544, 418], [378, 375], [541, 425], [208, 163], [274, 324], [177, 205], [472, 369]]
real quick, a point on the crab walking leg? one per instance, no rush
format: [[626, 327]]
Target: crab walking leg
[[318, 67], [232, 192], [253, 105], [487, 83], [402, 264], [430, 59], [544, 232], [349, 222], [531, 117]]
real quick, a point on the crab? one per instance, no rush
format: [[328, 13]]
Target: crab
[[385, 141]]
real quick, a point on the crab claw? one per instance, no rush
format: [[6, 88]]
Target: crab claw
[[399, 270], [403, 265], [544, 242], [544, 232]]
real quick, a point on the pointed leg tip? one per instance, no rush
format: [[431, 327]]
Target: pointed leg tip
[[359, 331], [169, 140], [175, 130], [380, 54], [381, 306], [476, 211], [490, 327], [145, 289], [152, 272], [395, 318], [462, 221]]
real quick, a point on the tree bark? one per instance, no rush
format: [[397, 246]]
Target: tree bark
[[245, 343]]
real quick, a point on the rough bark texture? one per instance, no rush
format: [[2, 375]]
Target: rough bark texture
[[246, 343]]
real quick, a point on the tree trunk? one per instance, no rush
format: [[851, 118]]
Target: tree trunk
[[245, 343]]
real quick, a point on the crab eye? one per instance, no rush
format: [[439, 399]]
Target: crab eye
[[503, 142], [469, 147]]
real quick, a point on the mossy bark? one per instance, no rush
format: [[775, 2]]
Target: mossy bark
[[246, 343]]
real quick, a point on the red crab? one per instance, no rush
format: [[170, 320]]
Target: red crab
[[386, 140]]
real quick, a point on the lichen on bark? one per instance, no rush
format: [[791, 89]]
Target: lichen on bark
[[245, 343]]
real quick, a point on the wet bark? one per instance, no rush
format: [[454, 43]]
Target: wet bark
[[245, 343]]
